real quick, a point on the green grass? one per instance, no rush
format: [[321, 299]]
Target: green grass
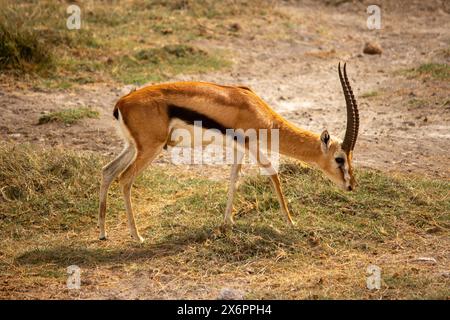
[[438, 71], [69, 116], [157, 64], [370, 94], [48, 208]]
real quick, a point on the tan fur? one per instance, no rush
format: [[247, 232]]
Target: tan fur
[[144, 114]]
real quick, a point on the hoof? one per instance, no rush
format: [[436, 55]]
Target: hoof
[[291, 224], [228, 222], [103, 238], [138, 239]]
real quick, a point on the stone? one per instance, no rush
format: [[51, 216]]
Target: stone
[[372, 48]]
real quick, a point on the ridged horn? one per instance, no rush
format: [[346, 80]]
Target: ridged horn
[[351, 133]]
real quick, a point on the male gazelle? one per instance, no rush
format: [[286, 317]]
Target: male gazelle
[[147, 117]]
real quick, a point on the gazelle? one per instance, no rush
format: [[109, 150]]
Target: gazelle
[[148, 116]]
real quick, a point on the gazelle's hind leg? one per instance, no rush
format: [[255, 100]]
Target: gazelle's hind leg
[[126, 179], [234, 176], [109, 173]]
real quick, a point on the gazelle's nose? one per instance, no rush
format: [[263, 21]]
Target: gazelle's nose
[[349, 188]]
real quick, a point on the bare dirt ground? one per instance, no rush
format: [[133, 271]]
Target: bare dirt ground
[[297, 76]]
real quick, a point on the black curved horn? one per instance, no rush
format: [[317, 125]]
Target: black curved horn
[[351, 133]]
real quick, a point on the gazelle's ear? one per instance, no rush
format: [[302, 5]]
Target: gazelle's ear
[[325, 138]]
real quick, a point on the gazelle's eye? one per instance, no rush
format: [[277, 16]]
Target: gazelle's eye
[[339, 160]]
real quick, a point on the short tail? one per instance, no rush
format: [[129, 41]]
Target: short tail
[[116, 112], [116, 107]]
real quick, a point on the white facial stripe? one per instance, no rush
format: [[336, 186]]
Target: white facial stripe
[[346, 173]]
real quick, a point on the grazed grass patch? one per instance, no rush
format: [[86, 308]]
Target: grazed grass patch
[[438, 71], [69, 116]]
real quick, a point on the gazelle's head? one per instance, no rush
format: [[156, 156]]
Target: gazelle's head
[[336, 160]]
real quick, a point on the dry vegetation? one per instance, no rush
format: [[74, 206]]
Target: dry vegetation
[[151, 40], [49, 203], [48, 193]]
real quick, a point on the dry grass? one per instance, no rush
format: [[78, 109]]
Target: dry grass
[[49, 204]]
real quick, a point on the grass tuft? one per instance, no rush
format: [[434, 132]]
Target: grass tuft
[[21, 48], [440, 71], [69, 116]]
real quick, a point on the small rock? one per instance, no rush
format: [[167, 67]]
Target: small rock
[[167, 31], [235, 27], [372, 48], [230, 294]]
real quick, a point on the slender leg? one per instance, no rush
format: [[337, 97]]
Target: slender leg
[[239, 153], [284, 208], [228, 217], [109, 173], [274, 178], [126, 180]]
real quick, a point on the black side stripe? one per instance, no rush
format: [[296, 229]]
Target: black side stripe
[[189, 116]]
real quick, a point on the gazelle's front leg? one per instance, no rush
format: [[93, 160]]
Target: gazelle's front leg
[[228, 217], [269, 170], [283, 206]]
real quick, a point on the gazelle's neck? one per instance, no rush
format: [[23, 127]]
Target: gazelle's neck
[[298, 143]]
